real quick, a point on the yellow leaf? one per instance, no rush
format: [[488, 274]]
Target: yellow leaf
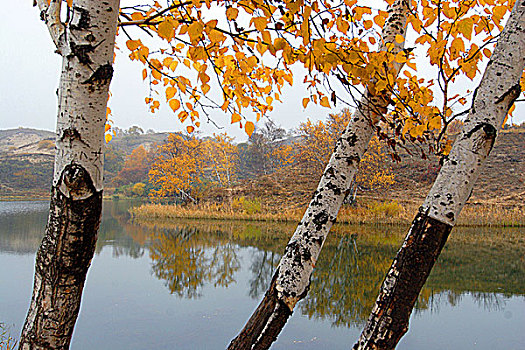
[[137, 16], [324, 102], [69, 3], [205, 88], [174, 104], [216, 36], [211, 24], [133, 44], [108, 112], [399, 39], [107, 127], [182, 116], [306, 100], [156, 74], [249, 127], [174, 65], [411, 65], [447, 147], [170, 92], [144, 74], [195, 30], [280, 43], [231, 13], [190, 128], [167, 61], [236, 118], [465, 27], [499, 11], [108, 137], [144, 53], [380, 20], [259, 23], [435, 123], [487, 52], [165, 30], [269, 100]]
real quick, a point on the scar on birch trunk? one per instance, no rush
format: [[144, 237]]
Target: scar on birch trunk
[[62, 261], [388, 321]]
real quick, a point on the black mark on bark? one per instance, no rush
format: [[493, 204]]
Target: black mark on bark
[[101, 76], [514, 92], [81, 52], [84, 20], [77, 181]]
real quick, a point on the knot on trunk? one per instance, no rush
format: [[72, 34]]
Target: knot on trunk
[[82, 52], [76, 183], [101, 76]]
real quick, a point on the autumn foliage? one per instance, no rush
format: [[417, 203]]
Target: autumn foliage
[[317, 141], [187, 166], [238, 56]]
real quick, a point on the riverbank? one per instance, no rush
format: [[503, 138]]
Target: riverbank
[[371, 212]]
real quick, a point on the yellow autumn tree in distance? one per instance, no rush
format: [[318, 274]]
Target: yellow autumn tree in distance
[[186, 165], [222, 157], [178, 167], [317, 140]]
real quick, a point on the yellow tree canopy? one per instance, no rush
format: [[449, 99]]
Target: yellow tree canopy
[[244, 50]]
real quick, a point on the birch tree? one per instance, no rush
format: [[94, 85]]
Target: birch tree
[[449, 29], [86, 42], [292, 277], [493, 98]]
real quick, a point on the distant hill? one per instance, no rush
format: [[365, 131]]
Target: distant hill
[[502, 180], [26, 164], [27, 157], [128, 142]]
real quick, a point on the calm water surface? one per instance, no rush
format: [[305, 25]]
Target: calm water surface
[[192, 285]]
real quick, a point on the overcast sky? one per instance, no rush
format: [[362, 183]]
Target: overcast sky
[[30, 71]]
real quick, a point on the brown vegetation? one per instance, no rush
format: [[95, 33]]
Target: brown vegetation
[[368, 211]]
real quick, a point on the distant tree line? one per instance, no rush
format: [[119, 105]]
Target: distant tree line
[[185, 167]]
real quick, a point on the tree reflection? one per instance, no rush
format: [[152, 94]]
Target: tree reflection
[[186, 261], [262, 267], [345, 283], [187, 255]]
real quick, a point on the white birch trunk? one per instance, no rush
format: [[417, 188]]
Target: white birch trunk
[[498, 89], [292, 277], [87, 45]]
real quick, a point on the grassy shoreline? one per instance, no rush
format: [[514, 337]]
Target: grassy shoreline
[[390, 213]]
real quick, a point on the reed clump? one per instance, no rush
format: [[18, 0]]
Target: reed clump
[[7, 342], [366, 212]]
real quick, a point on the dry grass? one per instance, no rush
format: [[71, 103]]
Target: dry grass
[[6, 341], [373, 212]]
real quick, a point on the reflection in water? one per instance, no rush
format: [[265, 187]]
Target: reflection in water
[[186, 262], [22, 226], [262, 267], [188, 255], [346, 281]]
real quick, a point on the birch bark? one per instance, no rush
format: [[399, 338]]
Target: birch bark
[[292, 278], [498, 89], [86, 43]]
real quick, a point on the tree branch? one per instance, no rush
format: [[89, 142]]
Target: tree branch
[[50, 14]]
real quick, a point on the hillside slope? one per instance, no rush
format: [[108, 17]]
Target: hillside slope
[[26, 163]]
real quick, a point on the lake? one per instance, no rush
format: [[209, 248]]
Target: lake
[[193, 284]]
